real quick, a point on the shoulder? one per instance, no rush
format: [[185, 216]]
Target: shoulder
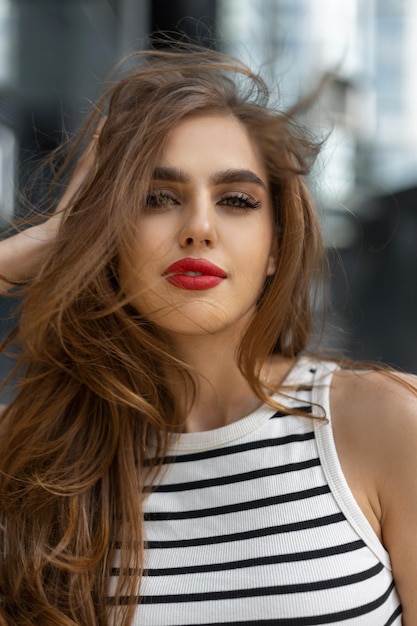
[[377, 404], [374, 416], [375, 413]]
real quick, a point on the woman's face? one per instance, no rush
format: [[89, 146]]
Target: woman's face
[[204, 242]]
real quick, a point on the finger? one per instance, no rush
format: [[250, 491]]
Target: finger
[[98, 129]]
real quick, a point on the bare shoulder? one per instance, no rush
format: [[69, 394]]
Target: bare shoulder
[[374, 417], [381, 390], [375, 413], [377, 410]]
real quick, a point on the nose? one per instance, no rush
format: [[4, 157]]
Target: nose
[[199, 228]]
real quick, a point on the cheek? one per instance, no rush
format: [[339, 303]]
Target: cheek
[[153, 241], [136, 254], [141, 267]]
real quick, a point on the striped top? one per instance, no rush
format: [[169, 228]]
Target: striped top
[[254, 523]]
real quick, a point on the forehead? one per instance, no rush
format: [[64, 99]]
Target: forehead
[[221, 140]]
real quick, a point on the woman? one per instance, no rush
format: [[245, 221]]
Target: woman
[[163, 339]]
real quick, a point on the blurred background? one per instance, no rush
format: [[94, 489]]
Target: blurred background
[[55, 54]]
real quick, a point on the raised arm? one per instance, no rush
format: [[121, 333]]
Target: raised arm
[[21, 255]]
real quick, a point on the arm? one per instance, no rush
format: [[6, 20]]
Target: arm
[[398, 494], [375, 423], [22, 255]]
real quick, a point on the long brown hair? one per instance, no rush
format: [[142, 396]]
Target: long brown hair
[[92, 398]]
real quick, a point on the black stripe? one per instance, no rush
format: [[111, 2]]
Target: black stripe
[[317, 522], [240, 506], [242, 447], [237, 478], [302, 409], [398, 611], [238, 594], [314, 620], [261, 561]]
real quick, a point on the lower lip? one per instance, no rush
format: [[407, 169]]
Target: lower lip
[[195, 283]]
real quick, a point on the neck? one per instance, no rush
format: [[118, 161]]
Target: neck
[[223, 395]]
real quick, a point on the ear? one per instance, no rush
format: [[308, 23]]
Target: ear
[[271, 267]]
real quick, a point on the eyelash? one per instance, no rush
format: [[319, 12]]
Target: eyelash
[[160, 199], [235, 201], [240, 202]]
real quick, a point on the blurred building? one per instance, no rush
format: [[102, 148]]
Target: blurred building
[[365, 180]]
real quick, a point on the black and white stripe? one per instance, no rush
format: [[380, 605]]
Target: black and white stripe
[[245, 528]]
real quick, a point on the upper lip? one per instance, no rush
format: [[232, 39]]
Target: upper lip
[[189, 264]]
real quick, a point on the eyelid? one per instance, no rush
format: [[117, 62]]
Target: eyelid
[[161, 189], [163, 192], [238, 194], [248, 188]]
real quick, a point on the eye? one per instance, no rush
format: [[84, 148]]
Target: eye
[[240, 202], [160, 200]]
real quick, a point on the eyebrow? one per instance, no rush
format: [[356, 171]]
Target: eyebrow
[[174, 175], [237, 176]]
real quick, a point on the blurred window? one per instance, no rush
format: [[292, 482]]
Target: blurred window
[[8, 145], [7, 41]]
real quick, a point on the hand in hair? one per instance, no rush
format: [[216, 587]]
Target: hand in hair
[[22, 255]]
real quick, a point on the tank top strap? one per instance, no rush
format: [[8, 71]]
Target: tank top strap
[[331, 464]]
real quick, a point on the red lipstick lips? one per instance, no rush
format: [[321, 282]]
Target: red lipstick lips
[[194, 274]]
